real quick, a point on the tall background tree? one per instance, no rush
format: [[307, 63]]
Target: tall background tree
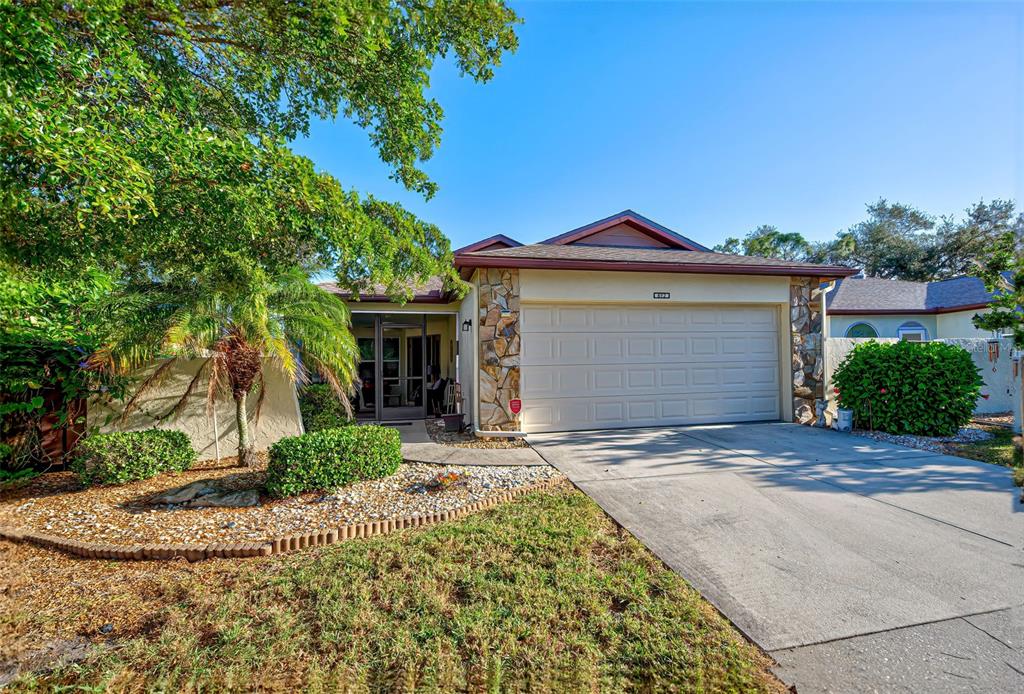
[[766, 241], [897, 241]]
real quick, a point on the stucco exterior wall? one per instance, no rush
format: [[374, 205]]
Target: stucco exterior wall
[[940, 325], [959, 325], [279, 415], [578, 286], [468, 369], [886, 326]]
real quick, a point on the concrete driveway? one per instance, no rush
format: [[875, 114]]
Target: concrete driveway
[[859, 566]]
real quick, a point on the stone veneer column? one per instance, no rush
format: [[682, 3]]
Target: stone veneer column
[[499, 348], [807, 349]]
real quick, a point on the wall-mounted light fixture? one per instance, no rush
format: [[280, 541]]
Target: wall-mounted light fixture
[[467, 324]]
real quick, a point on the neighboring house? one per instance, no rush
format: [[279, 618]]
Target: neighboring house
[[874, 307], [619, 323]]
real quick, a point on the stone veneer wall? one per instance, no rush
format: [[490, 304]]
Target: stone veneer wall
[[807, 350], [499, 348]]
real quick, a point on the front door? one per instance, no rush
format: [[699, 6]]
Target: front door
[[402, 364]]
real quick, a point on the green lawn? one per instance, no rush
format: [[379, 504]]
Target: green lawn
[[997, 450], [541, 593]]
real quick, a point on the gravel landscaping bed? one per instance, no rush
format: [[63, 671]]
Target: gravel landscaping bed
[[56, 504], [467, 439], [936, 444]]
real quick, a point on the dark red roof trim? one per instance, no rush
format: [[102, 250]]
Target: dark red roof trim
[[624, 266], [907, 312], [499, 240], [630, 218]]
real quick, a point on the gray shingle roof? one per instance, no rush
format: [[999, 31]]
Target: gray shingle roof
[[870, 294], [623, 254]]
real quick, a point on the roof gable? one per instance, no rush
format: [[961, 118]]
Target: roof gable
[[626, 229], [489, 244]]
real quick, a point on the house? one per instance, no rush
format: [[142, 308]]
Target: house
[[618, 323], [874, 307]]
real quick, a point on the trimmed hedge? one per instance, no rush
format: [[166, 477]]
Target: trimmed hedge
[[923, 388], [332, 458], [321, 409], [127, 456]]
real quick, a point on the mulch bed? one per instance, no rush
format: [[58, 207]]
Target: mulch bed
[[56, 504], [998, 419], [467, 439]]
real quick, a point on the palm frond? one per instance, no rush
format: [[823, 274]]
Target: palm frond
[[154, 379], [180, 404]]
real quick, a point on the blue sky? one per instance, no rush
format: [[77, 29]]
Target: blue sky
[[714, 118]]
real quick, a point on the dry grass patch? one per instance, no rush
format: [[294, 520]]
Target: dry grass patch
[[542, 593]]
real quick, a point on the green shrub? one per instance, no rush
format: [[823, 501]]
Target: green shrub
[[924, 388], [127, 456], [332, 458], [322, 409]]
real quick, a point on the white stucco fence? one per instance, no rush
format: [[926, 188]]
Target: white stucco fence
[[279, 415], [1000, 385]]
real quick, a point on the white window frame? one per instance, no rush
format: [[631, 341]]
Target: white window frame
[[912, 328], [861, 322]]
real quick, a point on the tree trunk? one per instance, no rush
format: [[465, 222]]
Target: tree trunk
[[246, 454]]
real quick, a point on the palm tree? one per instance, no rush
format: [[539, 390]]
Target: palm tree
[[234, 319]]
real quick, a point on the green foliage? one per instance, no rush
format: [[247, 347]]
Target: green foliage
[[925, 388], [218, 315], [151, 135], [898, 241], [332, 458], [1002, 270], [48, 328], [767, 241], [322, 408], [131, 455], [12, 477]]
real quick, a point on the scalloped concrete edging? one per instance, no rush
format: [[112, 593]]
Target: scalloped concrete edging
[[279, 545]]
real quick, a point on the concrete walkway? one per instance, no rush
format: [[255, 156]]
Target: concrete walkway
[[859, 566], [418, 447]]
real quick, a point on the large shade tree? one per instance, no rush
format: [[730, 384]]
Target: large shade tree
[[150, 138], [151, 134]]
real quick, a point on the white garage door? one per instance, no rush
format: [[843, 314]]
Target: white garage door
[[586, 367]]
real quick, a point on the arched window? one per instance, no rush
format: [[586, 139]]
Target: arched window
[[861, 330], [912, 331]]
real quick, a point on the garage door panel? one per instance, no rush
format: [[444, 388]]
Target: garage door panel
[[582, 381], [552, 349], [613, 366], [565, 319], [606, 413]]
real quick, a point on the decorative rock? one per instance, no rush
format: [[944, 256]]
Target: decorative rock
[[181, 495], [238, 499], [807, 358], [499, 347]]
